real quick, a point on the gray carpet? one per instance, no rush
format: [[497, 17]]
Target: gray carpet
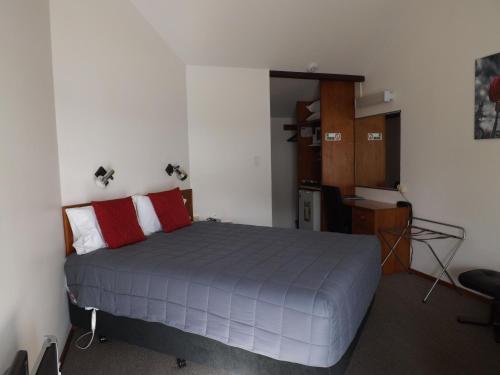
[[402, 336]]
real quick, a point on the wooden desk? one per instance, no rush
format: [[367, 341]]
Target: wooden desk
[[368, 217]]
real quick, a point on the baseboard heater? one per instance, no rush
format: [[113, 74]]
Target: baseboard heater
[[46, 364]]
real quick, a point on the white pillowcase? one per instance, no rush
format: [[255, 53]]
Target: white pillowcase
[[146, 215], [87, 234], [314, 106], [314, 116]]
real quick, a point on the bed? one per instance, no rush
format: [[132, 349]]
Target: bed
[[246, 298]]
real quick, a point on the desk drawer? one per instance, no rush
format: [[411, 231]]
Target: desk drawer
[[363, 221]]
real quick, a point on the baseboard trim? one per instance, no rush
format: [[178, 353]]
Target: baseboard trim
[[447, 284], [65, 350]]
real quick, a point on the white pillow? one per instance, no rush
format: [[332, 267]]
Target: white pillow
[[314, 106], [87, 235], [314, 116], [146, 215]]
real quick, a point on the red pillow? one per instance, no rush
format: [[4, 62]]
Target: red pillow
[[118, 222], [171, 210]]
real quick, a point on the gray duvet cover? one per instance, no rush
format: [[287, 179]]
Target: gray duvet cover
[[292, 295]]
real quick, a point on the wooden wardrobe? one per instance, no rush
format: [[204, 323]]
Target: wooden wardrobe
[[331, 163]]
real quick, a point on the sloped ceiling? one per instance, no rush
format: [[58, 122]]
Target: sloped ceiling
[[275, 34]]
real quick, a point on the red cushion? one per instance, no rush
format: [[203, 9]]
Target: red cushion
[[171, 210], [118, 222]]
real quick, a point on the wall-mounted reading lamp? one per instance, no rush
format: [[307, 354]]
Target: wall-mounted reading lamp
[[102, 177], [181, 175]]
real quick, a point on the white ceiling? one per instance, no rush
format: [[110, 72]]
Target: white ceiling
[[275, 34], [286, 92]]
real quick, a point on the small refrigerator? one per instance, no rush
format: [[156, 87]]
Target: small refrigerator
[[310, 209]]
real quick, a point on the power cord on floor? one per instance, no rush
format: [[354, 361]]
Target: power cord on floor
[[93, 322]]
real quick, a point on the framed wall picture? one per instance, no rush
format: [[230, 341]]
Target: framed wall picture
[[487, 98]]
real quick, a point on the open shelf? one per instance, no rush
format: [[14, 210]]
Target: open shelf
[[303, 124]]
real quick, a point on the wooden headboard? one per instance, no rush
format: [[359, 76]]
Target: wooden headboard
[[68, 233]]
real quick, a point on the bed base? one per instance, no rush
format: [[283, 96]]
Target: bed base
[[199, 349]]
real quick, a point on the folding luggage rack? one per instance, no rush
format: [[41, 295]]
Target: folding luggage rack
[[417, 230]]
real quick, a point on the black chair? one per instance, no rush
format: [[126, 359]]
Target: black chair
[[485, 282], [19, 365], [48, 364], [337, 215]]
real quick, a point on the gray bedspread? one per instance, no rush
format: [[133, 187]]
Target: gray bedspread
[[292, 295]]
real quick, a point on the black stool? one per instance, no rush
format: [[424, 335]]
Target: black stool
[[486, 282]]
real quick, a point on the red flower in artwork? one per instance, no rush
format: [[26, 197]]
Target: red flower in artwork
[[494, 92]]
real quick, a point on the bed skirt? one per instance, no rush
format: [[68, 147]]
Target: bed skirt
[[200, 349]]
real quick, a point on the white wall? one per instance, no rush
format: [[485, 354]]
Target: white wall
[[284, 174], [423, 50], [230, 143], [427, 58], [120, 100], [31, 239]]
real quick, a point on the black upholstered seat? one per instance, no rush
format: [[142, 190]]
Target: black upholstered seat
[[482, 281], [486, 282]]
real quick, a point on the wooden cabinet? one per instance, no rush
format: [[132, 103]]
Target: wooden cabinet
[[329, 162], [337, 118], [370, 155], [369, 217], [363, 221]]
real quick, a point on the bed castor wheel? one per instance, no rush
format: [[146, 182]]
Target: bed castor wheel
[[103, 339], [181, 362]]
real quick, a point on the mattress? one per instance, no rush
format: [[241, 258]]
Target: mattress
[[291, 295]]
